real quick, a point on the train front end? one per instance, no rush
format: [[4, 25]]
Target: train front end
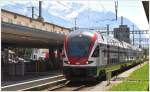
[[77, 50]]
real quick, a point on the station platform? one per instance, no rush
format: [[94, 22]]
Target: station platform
[[29, 76]]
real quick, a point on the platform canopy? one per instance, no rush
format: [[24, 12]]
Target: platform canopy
[[146, 8]]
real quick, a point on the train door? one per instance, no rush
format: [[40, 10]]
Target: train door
[[96, 55], [100, 57]]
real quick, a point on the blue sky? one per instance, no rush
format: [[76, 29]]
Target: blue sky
[[69, 9], [63, 12]]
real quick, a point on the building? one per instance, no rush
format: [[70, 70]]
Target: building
[[18, 19], [146, 8], [122, 33]]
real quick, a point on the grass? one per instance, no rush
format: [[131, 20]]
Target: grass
[[127, 85], [140, 74], [130, 86]]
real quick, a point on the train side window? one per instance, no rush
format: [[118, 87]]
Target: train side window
[[102, 37], [96, 52], [34, 56]]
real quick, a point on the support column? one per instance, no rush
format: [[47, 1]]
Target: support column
[[5, 61], [51, 57], [60, 59]]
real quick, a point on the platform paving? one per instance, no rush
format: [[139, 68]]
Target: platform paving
[[30, 76]]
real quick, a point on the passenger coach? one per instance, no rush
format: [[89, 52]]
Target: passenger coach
[[88, 53]]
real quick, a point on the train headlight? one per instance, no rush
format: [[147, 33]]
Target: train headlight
[[68, 62], [89, 62]]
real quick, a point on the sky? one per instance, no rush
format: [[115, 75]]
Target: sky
[[68, 10]]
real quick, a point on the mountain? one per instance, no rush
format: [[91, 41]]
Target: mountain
[[85, 19], [100, 19], [89, 18], [56, 20]]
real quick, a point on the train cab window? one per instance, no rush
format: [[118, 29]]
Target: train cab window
[[96, 52]]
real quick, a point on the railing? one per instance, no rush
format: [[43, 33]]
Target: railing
[[31, 25]]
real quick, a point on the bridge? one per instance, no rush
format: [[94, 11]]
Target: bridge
[[23, 31]]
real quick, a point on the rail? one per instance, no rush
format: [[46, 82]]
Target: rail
[[69, 86]]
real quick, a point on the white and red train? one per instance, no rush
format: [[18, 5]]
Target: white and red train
[[88, 53]]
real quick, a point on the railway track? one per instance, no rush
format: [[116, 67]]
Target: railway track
[[68, 86], [73, 86], [55, 83]]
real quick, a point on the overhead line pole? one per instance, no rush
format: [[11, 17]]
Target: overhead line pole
[[140, 40], [107, 45], [133, 34], [108, 29], [116, 9], [32, 11], [75, 24]]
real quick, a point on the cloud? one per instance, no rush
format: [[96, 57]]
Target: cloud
[[69, 9], [5, 2], [23, 11], [64, 9], [72, 15]]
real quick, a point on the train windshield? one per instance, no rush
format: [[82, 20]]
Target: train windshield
[[79, 46]]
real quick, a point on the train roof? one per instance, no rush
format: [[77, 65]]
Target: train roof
[[113, 41], [107, 39]]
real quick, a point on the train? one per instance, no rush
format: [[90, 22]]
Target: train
[[87, 53]]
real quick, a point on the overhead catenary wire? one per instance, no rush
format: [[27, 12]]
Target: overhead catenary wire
[[116, 9], [102, 5], [71, 10]]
